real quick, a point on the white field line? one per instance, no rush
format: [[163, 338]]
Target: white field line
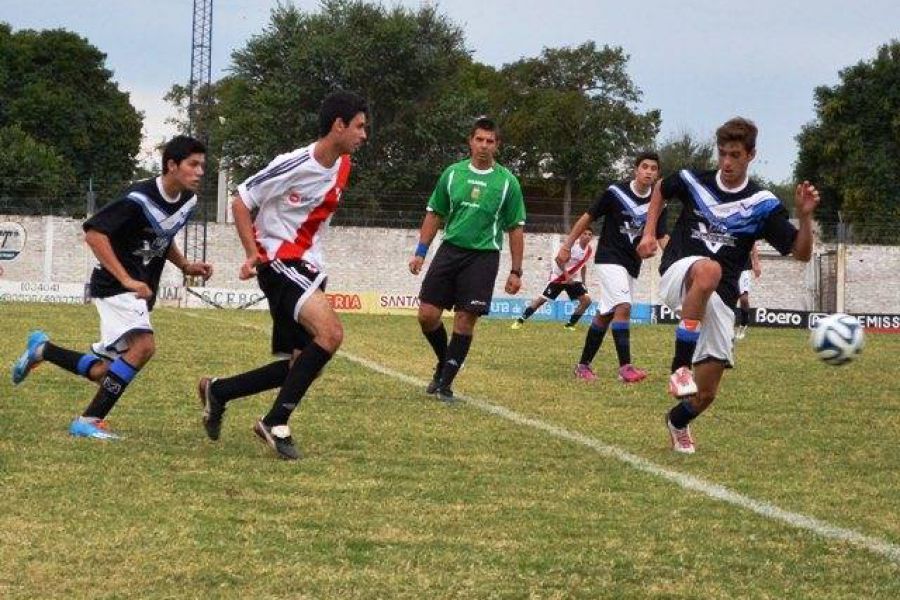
[[683, 480]]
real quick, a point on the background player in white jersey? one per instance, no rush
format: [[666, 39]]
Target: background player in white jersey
[[570, 279], [295, 197], [753, 271], [475, 200], [724, 213], [132, 238], [623, 207]]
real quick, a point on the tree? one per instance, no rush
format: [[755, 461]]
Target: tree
[[406, 63], [55, 88], [852, 149], [572, 117], [684, 151], [33, 173]]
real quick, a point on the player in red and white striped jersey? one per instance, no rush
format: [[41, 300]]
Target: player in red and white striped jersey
[[571, 280], [295, 197]]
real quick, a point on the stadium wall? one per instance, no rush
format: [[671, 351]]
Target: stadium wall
[[375, 259]]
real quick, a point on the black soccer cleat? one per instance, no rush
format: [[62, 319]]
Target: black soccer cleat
[[278, 437], [435, 383], [213, 408], [445, 394]]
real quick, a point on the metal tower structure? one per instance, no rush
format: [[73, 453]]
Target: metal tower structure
[[198, 113]]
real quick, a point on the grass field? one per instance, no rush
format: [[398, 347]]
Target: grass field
[[400, 496]]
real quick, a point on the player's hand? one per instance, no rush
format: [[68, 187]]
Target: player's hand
[[140, 289], [513, 283], [806, 198], [248, 269], [757, 272], [647, 246], [198, 269], [415, 264], [562, 257]]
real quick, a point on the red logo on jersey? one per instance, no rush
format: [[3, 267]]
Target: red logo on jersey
[[294, 198]]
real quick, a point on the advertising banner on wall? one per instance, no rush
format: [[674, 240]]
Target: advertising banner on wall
[[42, 292], [795, 319]]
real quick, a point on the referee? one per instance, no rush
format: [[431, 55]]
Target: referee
[[475, 200]]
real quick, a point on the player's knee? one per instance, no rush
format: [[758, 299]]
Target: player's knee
[[141, 349], [706, 274], [331, 337]]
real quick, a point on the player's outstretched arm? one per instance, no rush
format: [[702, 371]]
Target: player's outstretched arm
[[565, 251], [806, 199], [243, 222], [99, 244], [755, 263], [430, 225], [648, 245]]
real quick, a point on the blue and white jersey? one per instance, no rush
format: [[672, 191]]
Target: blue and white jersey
[[140, 226], [624, 214], [722, 224]]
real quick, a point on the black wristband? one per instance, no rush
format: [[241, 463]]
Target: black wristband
[[516, 272]]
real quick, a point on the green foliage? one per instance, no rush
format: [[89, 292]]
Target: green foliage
[[684, 151], [409, 65], [852, 149], [55, 87], [32, 172]]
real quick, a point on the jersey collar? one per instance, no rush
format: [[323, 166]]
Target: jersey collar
[[727, 189]]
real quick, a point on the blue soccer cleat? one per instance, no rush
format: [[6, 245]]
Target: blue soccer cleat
[[29, 359], [90, 427]]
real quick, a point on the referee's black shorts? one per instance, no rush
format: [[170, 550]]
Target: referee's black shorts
[[287, 284], [461, 279]]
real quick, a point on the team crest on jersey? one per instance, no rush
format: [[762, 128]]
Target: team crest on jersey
[[714, 236], [633, 229], [476, 193], [294, 198], [155, 249]]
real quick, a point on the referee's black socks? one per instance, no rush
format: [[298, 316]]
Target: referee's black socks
[[438, 340], [457, 351], [300, 376]]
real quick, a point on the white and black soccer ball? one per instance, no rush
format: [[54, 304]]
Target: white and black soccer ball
[[837, 339]]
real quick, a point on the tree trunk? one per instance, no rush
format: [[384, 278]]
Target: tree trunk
[[567, 205]]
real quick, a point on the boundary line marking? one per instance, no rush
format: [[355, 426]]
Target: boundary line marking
[[689, 482]]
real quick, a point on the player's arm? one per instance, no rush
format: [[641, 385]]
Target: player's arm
[[755, 264], [806, 199], [584, 275], [648, 245], [565, 251], [427, 232], [516, 251], [243, 222], [99, 244], [194, 269]]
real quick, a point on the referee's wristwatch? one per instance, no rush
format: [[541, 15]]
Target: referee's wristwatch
[[516, 272]]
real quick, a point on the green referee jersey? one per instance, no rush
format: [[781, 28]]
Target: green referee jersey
[[477, 206]]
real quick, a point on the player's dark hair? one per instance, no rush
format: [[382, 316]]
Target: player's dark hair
[[740, 130], [646, 155], [179, 148], [485, 124], [340, 105]]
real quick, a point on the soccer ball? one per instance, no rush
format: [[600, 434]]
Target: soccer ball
[[837, 339]]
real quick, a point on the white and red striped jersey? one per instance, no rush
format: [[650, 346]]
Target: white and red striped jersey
[[577, 260], [295, 197]]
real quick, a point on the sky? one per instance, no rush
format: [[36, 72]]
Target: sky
[[699, 62]]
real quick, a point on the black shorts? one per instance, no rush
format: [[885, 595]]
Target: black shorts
[[287, 284], [461, 279], [573, 289]]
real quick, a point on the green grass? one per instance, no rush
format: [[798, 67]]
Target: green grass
[[402, 497]]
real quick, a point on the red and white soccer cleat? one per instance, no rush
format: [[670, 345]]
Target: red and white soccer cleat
[[682, 441], [681, 383]]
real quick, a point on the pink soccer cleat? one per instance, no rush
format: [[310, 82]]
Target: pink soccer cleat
[[584, 372], [631, 374]]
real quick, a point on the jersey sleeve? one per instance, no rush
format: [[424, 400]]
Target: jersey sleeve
[[779, 231], [273, 181], [439, 202], [514, 207], [600, 205], [113, 217], [671, 186]]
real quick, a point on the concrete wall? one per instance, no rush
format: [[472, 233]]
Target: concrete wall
[[375, 259]]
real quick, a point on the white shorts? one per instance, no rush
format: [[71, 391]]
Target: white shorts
[[120, 315], [616, 287], [744, 282], [717, 329]]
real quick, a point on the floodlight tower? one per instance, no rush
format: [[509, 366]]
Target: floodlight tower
[[199, 107]]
